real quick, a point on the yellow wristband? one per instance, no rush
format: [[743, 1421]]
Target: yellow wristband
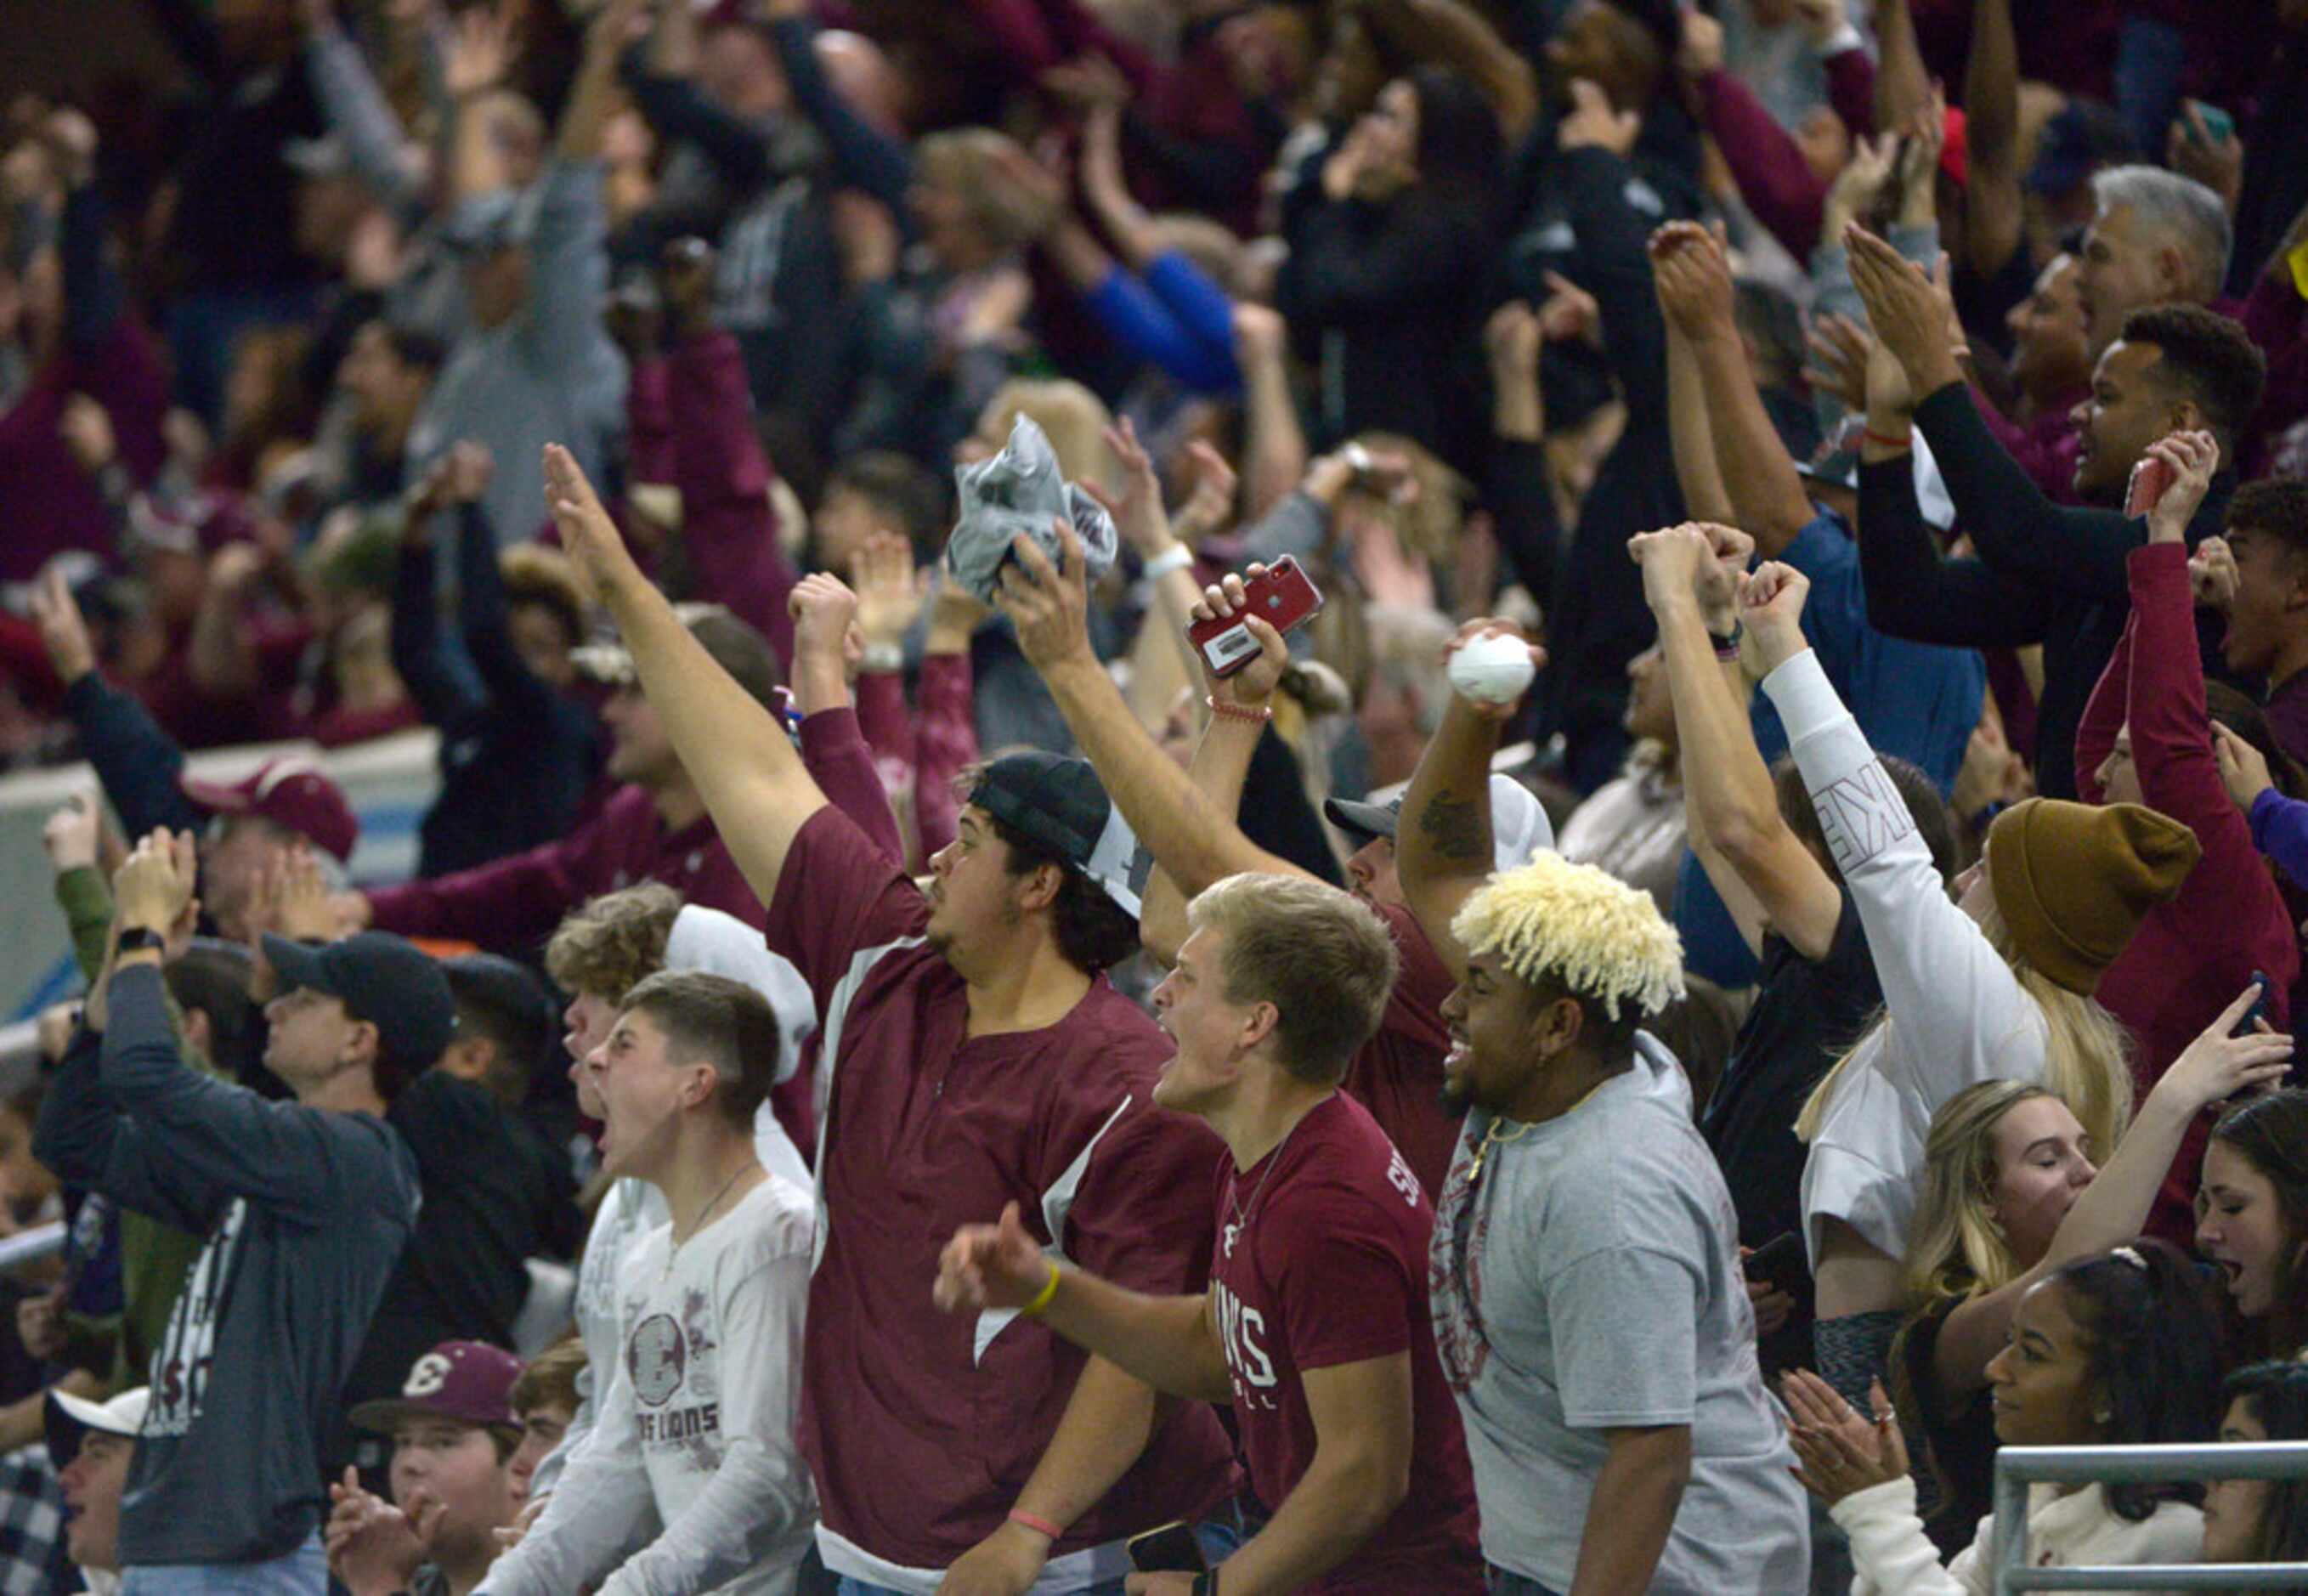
[[1042, 1298], [2297, 260]]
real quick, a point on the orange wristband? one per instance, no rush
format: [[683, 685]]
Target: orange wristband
[[1036, 1522]]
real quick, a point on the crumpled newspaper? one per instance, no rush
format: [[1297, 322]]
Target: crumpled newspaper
[[1021, 490]]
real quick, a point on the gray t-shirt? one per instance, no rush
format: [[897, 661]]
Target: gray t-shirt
[[1589, 1280]]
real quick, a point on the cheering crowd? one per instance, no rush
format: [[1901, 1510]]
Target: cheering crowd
[[1360, 796]]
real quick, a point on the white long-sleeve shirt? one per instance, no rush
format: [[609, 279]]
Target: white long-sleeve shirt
[[717, 944], [1892, 1555], [696, 1425], [1958, 1014]]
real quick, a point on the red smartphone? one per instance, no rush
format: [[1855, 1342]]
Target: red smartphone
[[2150, 478], [1283, 598]]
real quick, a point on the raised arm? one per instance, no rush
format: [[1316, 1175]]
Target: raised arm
[[359, 113], [1188, 836], [743, 766], [1993, 219], [1903, 84], [1519, 489], [137, 763], [1961, 1007], [1765, 874], [1767, 497], [2017, 530], [2113, 1207], [1442, 844]]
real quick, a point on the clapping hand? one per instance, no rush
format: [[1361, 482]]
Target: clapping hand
[[1913, 314], [153, 890], [1842, 1451], [372, 1546]]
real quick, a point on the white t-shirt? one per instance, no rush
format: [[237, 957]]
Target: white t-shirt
[[696, 1425]]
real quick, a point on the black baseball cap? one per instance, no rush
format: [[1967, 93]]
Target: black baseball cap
[[385, 979], [1060, 803]]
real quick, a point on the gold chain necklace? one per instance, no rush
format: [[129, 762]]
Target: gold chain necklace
[[1492, 1138]]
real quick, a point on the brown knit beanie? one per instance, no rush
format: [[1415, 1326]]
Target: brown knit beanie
[[2074, 881]]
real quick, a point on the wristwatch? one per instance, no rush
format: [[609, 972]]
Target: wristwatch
[[136, 939]]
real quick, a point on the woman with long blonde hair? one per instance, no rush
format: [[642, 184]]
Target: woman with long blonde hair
[[1995, 986], [2010, 1193]]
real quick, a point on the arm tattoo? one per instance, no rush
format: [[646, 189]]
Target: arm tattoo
[[1458, 828]]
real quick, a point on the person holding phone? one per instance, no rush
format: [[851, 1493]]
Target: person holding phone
[[2011, 1193], [1315, 1325]]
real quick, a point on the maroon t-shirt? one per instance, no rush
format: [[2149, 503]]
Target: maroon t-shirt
[[922, 1427], [1321, 1261], [1398, 1076]]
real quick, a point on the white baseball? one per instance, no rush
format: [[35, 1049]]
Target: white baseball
[[1492, 668]]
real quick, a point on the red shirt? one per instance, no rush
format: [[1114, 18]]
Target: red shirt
[[514, 902], [1321, 1261], [1398, 1076], [2192, 955], [921, 1428]]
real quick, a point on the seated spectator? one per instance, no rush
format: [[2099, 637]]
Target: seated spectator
[[2119, 1348], [518, 749], [1633, 826], [1588, 1307], [2010, 1193], [1316, 1325], [544, 1402], [307, 1206], [2259, 1521], [91, 1444], [697, 1427], [1997, 984], [2255, 1178], [454, 1437]]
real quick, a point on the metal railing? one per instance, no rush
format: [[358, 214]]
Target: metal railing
[[2018, 1467]]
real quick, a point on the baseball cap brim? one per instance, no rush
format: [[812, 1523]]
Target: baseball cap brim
[[386, 1415], [1362, 822], [66, 1419], [298, 964]]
